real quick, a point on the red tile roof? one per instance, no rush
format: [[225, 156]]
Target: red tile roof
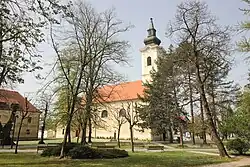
[[121, 92], [13, 97]]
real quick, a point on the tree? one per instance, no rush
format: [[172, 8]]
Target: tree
[[244, 44], [92, 38], [117, 116], [20, 33], [106, 49], [24, 113], [164, 97], [132, 116], [6, 130], [238, 122], [44, 102], [209, 51]]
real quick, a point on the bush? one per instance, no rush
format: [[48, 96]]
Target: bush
[[55, 151], [238, 146], [84, 152], [76, 151]]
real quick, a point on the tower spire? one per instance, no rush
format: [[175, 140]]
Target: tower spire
[[151, 26], [151, 38]]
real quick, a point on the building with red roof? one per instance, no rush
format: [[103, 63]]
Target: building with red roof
[[30, 126], [112, 99]]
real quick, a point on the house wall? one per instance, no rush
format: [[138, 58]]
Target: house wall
[[30, 124]]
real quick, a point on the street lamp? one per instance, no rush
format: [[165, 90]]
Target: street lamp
[[14, 116]]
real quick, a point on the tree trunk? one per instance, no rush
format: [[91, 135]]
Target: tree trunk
[[44, 123], [13, 132], [83, 139], [77, 139], [164, 136], [69, 135], [118, 136], [18, 135], [132, 138], [214, 133], [1, 48], [214, 115], [191, 106], [204, 137], [65, 136], [90, 131], [171, 137], [181, 135]]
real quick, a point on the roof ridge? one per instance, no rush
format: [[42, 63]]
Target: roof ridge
[[121, 83], [9, 90]]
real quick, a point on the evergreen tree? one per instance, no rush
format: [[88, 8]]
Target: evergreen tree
[[163, 99]]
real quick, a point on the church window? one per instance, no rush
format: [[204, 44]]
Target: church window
[[29, 119], [104, 114], [122, 112], [27, 131], [149, 63]]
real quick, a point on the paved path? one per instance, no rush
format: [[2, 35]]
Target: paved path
[[242, 162]]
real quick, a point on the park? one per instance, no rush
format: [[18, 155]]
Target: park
[[124, 83]]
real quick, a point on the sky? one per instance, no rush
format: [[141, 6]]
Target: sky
[[138, 13]]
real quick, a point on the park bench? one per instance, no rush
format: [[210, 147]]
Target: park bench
[[139, 144], [95, 144], [44, 146], [105, 147], [155, 148]]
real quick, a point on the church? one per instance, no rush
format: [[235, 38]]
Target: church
[[123, 97]]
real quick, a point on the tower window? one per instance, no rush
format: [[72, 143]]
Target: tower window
[[104, 114], [149, 63]]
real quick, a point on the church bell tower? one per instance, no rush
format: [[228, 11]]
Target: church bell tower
[[150, 52]]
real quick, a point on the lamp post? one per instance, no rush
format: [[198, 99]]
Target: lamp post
[[14, 116]]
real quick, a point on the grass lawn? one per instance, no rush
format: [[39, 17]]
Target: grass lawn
[[140, 159]]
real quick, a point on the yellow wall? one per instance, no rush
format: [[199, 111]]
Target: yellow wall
[[32, 126], [108, 126], [111, 125]]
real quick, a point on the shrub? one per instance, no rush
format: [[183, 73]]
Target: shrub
[[238, 146], [84, 152], [76, 151], [52, 151], [55, 151]]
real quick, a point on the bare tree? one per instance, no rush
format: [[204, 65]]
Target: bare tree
[[210, 48], [92, 38], [44, 102], [117, 115], [132, 116], [24, 113]]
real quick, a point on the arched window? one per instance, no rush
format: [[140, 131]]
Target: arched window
[[104, 114], [149, 61], [122, 112]]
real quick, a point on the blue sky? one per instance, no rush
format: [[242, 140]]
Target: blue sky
[[138, 12]]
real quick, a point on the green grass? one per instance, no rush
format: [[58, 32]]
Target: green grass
[[140, 159]]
